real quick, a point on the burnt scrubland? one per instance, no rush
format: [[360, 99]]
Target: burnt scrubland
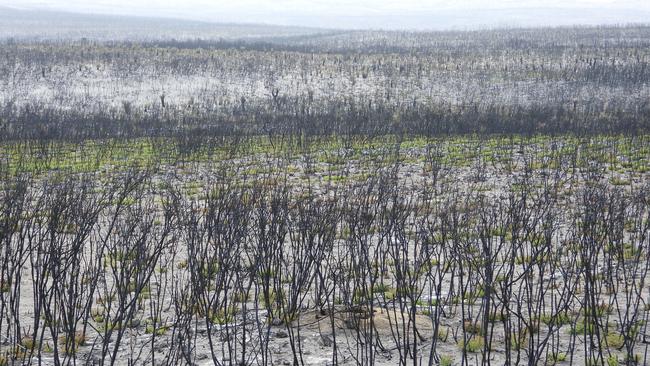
[[308, 197]]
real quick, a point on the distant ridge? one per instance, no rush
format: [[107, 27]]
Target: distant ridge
[[50, 24], [308, 20], [34, 24]]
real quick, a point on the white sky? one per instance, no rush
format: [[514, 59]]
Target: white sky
[[317, 12]]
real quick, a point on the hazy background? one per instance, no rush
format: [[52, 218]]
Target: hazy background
[[385, 14]]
